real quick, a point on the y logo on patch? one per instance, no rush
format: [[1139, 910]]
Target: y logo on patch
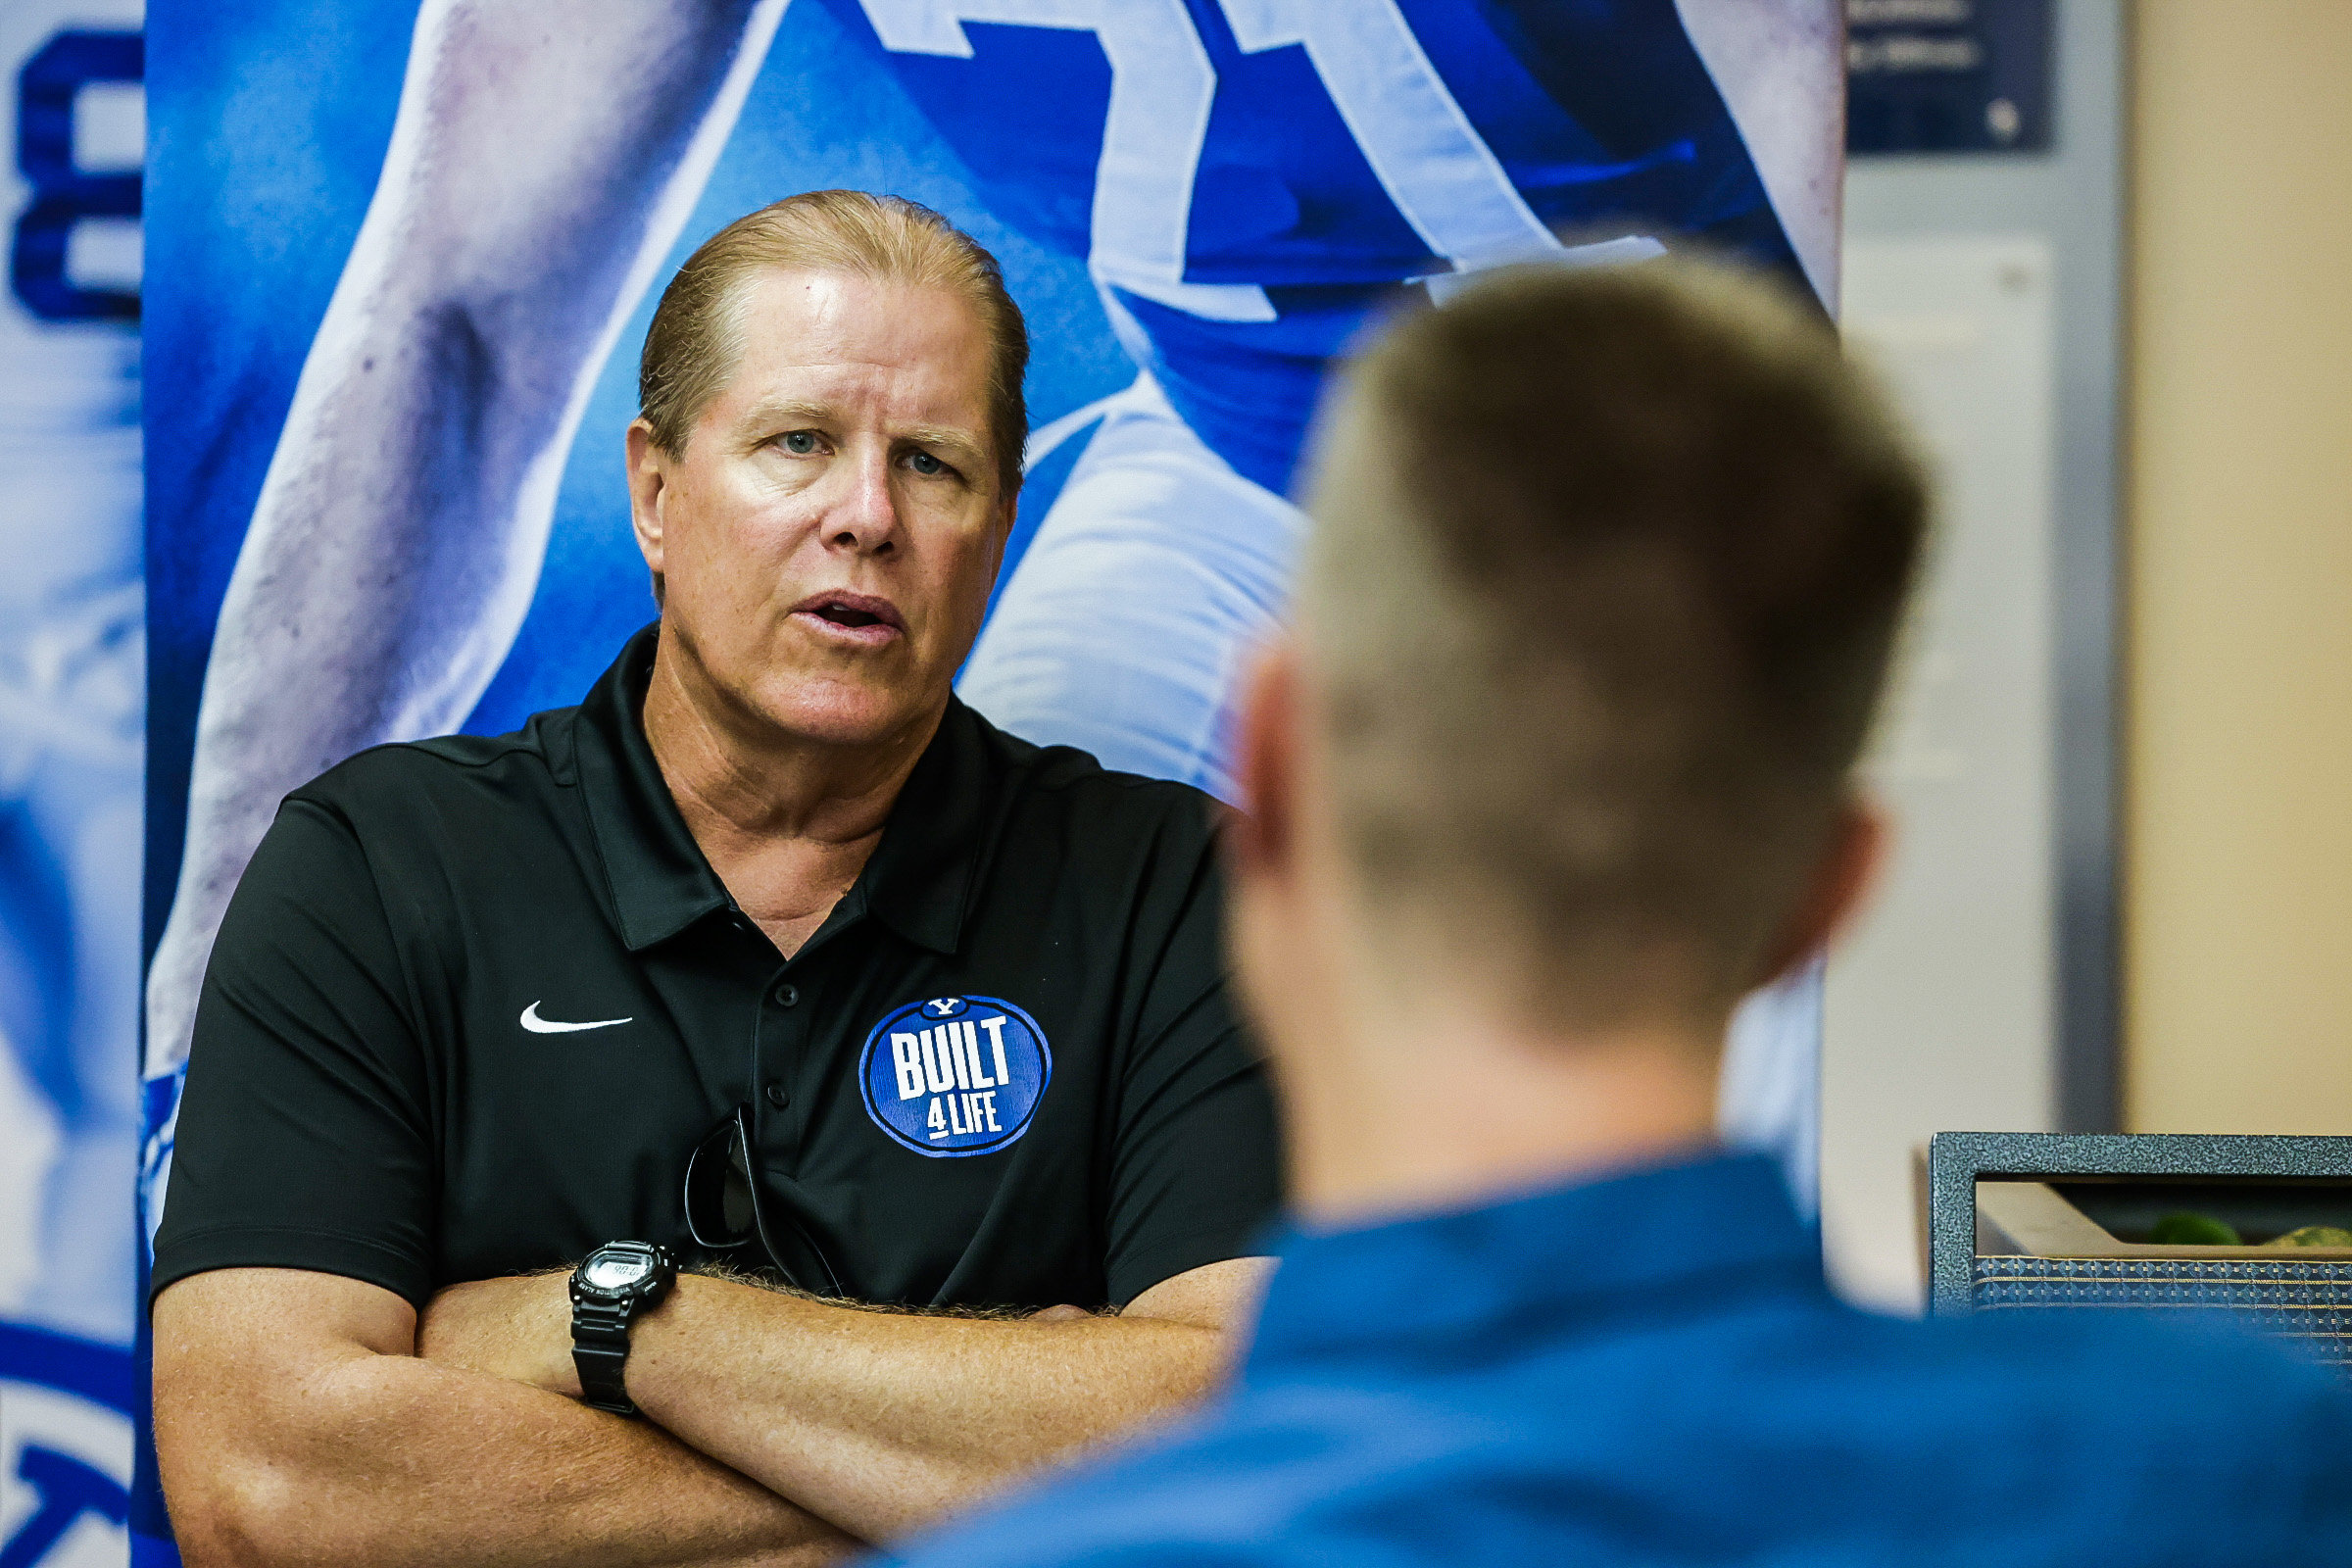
[[955, 1076]]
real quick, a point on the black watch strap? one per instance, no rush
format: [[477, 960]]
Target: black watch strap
[[600, 1353], [612, 1285]]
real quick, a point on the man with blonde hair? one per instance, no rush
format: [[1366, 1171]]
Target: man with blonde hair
[[770, 964], [1605, 573]]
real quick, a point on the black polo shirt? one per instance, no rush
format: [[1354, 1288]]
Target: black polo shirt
[[476, 1000]]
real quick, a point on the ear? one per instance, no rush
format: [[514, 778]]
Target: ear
[[1842, 884], [1263, 841], [1007, 512], [648, 493]]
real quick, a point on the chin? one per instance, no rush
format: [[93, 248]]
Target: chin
[[832, 712]]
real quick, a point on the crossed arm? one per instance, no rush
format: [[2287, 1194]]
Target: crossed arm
[[306, 1417]]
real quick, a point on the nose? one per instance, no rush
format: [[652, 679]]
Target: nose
[[865, 521]]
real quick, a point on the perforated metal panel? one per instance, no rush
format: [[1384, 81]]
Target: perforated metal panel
[[2310, 1302], [2055, 1222]]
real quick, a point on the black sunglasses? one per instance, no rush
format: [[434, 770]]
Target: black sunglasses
[[725, 1208]]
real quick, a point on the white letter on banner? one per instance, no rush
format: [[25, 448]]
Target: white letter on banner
[[938, 1072], [996, 1038], [1162, 86], [1435, 166], [905, 1054]]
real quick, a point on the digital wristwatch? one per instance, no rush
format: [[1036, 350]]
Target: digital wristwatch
[[611, 1288]]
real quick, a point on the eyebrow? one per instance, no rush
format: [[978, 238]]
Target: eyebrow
[[783, 408], [944, 436]]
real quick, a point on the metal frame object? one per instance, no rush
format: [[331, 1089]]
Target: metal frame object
[[1957, 1160]]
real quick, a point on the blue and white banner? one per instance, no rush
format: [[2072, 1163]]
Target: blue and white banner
[[400, 264], [71, 741]]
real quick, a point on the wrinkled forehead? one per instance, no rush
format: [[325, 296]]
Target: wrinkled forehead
[[877, 346]]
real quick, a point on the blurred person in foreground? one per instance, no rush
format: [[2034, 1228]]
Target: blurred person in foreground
[[1556, 763]]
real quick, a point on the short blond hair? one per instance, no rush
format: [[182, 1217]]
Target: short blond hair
[[1604, 575], [696, 340]]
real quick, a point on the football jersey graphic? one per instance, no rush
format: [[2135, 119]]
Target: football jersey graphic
[[72, 711]]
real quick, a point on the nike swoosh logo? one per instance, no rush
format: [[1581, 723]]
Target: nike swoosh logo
[[549, 1026]]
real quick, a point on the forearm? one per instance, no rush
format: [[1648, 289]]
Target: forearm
[[386, 1460], [880, 1421], [538, 172]]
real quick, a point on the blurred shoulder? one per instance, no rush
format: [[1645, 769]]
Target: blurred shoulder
[[1828, 1436], [1219, 1495], [2092, 1424]]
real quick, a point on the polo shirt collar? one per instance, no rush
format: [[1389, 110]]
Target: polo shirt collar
[[1598, 1257], [917, 881]]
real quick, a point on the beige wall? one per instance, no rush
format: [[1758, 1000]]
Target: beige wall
[[2238, 848]]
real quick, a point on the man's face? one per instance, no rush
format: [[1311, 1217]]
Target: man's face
[[829, 537]]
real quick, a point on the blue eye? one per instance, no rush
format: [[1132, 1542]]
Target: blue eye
[[800, 443], [924, 462]]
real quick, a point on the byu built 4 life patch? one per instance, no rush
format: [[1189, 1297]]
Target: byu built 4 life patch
[[954, 1075]]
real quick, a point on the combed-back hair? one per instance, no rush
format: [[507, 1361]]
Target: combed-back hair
[[1606, 570], [696, 339]]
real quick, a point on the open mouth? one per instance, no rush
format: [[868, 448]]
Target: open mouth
[[861, 618]]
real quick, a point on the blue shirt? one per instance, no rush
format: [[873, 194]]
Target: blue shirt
[[1650, 1369]]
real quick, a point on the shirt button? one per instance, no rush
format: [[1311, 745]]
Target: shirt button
[[778, 1095], [788, 996]]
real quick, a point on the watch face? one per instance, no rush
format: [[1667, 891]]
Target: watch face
[[615, 1271]]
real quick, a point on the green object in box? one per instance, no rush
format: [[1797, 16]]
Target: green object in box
[[2313, 1236], [2184, 1227]]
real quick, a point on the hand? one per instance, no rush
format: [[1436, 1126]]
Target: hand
[[517, 1327]]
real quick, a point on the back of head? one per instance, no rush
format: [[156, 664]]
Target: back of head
[[1606, 570]]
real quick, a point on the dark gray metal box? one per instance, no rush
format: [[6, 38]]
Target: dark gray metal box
[[2044, 1221]]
